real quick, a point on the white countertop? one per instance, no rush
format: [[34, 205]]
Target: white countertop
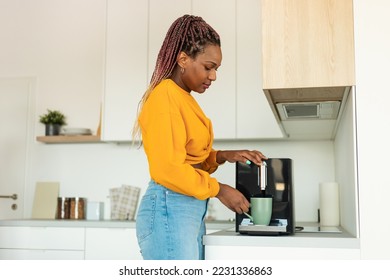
[[212, 225], [230, 237], [225, 236]]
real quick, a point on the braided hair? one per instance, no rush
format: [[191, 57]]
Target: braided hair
[[190, 34]]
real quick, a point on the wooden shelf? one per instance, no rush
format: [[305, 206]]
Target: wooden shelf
[[69, 139]]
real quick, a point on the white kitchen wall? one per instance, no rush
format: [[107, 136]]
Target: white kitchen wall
[[61, 43], [313, 162], [372, 45], [346, 166], [89, 170]]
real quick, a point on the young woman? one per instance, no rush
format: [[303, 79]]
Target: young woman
[[178, 141]]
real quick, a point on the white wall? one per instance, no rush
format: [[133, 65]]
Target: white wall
[[60, 46], [89, 170], [372, 54], [61, 43], [346, 166]]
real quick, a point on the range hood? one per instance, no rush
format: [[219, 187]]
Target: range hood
[[308, 113], [308, 110]]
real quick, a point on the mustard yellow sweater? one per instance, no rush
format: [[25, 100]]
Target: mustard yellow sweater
[[176, 134]]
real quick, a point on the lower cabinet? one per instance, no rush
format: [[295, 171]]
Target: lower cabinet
[[68, 243], [37, 254], [111, 244], [82, 242], [41, 243], [278, 253]]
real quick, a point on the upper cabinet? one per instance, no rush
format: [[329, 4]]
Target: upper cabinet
[[255, 118], [307, 43], [308, 63], [161, 16], [135, 32], [235, 102], [125, 66], [218, 102]]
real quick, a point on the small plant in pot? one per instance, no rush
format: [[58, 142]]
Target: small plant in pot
[[53, 120]]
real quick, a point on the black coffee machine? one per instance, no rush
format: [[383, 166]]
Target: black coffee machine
[[273, 178]]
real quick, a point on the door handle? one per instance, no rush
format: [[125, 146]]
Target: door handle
[[14, 196]]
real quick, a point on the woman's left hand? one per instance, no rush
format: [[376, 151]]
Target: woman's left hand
[[240, 156]]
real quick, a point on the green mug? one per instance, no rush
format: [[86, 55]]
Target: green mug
[[261, 210]]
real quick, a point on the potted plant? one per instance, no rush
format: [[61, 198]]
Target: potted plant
[[53, 120]]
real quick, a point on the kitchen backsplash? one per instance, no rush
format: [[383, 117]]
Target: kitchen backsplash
[[91, 170]]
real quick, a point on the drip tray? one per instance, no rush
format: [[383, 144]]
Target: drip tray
[[276, 227]]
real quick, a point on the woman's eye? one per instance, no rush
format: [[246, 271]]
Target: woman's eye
[[210, 68]]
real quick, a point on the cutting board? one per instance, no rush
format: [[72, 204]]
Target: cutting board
[[45, 200]]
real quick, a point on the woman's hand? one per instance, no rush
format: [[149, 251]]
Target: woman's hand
[[241, 156], [232, 199]]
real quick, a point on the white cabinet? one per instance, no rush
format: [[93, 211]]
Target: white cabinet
[[235, 102], [219, 101], [39, 254], [42, 243], [278, 253], [68, 243], [125, 66], [111, 244], [161, 16], [135, 32], [255, 118], [228, 244]]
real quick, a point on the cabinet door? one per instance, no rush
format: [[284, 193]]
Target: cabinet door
[[24, 254], [45, 238], [126, 66], [219, 101], [111, 244], [255, 118], [280, 253], [41, 243], [161, 15], [307, 43]]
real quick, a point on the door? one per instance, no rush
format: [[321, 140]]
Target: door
[[14, 111]]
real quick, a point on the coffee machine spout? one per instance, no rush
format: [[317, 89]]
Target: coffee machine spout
[[263, 177]]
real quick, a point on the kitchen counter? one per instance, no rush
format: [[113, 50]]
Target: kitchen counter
[[299, 239], [228, 244], [210, 225], [221, 242]]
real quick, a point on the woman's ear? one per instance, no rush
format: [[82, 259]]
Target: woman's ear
[[181, 59]]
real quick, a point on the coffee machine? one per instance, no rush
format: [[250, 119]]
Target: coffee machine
[[273, 178]]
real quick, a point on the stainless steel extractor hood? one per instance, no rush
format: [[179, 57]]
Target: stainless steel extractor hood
[[308, 110], [308, 113]]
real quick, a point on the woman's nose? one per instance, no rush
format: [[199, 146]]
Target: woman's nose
[[213, 75]]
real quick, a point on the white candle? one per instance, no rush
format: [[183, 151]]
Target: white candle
[[329, 204]]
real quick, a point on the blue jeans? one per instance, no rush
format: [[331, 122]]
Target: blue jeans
[[169, 225]]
